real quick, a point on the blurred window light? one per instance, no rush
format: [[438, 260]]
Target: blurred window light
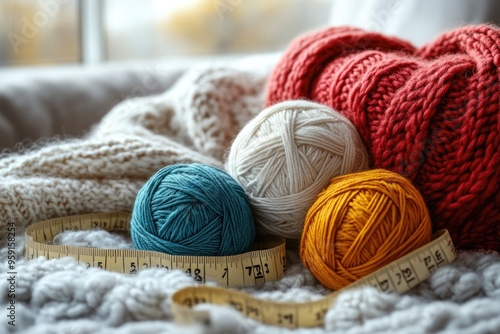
[[39, 32], [90, 31], [157, 28]]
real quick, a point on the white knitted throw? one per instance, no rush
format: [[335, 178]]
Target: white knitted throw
[[194, 121]]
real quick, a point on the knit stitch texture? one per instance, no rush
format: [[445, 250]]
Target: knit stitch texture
[[193, 122], [430, 114]]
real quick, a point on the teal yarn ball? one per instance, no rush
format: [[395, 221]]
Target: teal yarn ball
[[192, 209]]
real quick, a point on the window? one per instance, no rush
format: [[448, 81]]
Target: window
[[62, 31], [42, 32]]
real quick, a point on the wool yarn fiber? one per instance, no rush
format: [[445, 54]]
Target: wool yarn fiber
[[360, 223], [430, 114], [192, 209], [286, 155]]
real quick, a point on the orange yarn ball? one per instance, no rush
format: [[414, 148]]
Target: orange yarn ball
[[360, 223]]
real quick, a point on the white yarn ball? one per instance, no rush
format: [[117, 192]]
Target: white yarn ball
[[286, 155]]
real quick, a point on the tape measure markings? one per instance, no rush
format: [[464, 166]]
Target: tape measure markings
[[249, 269], [265, 263], [398, 276]]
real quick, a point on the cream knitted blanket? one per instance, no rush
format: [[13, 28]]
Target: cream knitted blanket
[[194, 121]]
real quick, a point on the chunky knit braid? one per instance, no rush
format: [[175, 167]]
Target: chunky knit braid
[[430, 114]]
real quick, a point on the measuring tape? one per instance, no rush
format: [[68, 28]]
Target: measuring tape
[[398, 276], [266, 262]]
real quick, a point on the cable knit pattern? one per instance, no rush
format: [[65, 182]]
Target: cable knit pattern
[[430, 114], [104, 171]]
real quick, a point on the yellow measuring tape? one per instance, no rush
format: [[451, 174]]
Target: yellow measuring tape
[[266, 263], [398, 276]]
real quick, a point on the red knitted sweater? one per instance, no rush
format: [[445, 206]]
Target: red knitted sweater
[[430, 114]]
